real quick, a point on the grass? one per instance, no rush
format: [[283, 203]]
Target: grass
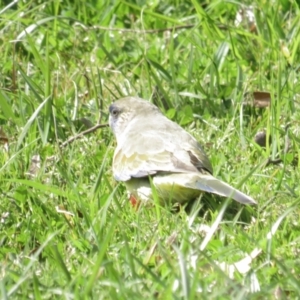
[[67, 230]]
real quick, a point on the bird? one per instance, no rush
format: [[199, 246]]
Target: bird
[[153, 152]]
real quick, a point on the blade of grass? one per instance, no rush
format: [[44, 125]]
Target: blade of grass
[[29, 122]]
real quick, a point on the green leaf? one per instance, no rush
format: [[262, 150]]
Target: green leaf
[[6, 107], [29, 122], [186, 115], [171, 113], [39, 186]]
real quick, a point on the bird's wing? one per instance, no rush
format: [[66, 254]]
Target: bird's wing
[[166, 147], [135, 161]]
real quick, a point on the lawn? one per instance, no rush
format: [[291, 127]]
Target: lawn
[[226, 71]]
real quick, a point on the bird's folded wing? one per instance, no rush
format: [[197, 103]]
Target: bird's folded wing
[[154, 151], [140, 165]]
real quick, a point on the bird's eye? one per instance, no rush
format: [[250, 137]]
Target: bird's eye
[[114, 112]]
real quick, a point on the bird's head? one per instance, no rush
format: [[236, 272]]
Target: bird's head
[[125, 111]]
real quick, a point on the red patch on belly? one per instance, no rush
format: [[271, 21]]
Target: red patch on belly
[[134, 201]]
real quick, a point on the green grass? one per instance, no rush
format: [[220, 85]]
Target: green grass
[[67, 230]]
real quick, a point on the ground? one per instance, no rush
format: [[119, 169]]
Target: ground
[[227, 72]]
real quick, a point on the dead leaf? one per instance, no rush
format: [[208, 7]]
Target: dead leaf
[[261, 99], [258, 99]]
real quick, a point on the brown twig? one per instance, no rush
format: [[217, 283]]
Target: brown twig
[[75, 137]]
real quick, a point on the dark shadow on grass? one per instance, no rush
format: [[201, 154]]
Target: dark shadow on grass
[[236, 212]]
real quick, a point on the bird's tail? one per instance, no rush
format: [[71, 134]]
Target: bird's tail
[[208, 183]]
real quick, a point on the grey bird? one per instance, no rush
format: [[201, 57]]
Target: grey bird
[[152, 148]]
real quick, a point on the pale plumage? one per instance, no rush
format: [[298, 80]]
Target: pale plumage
[[149, 144]]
